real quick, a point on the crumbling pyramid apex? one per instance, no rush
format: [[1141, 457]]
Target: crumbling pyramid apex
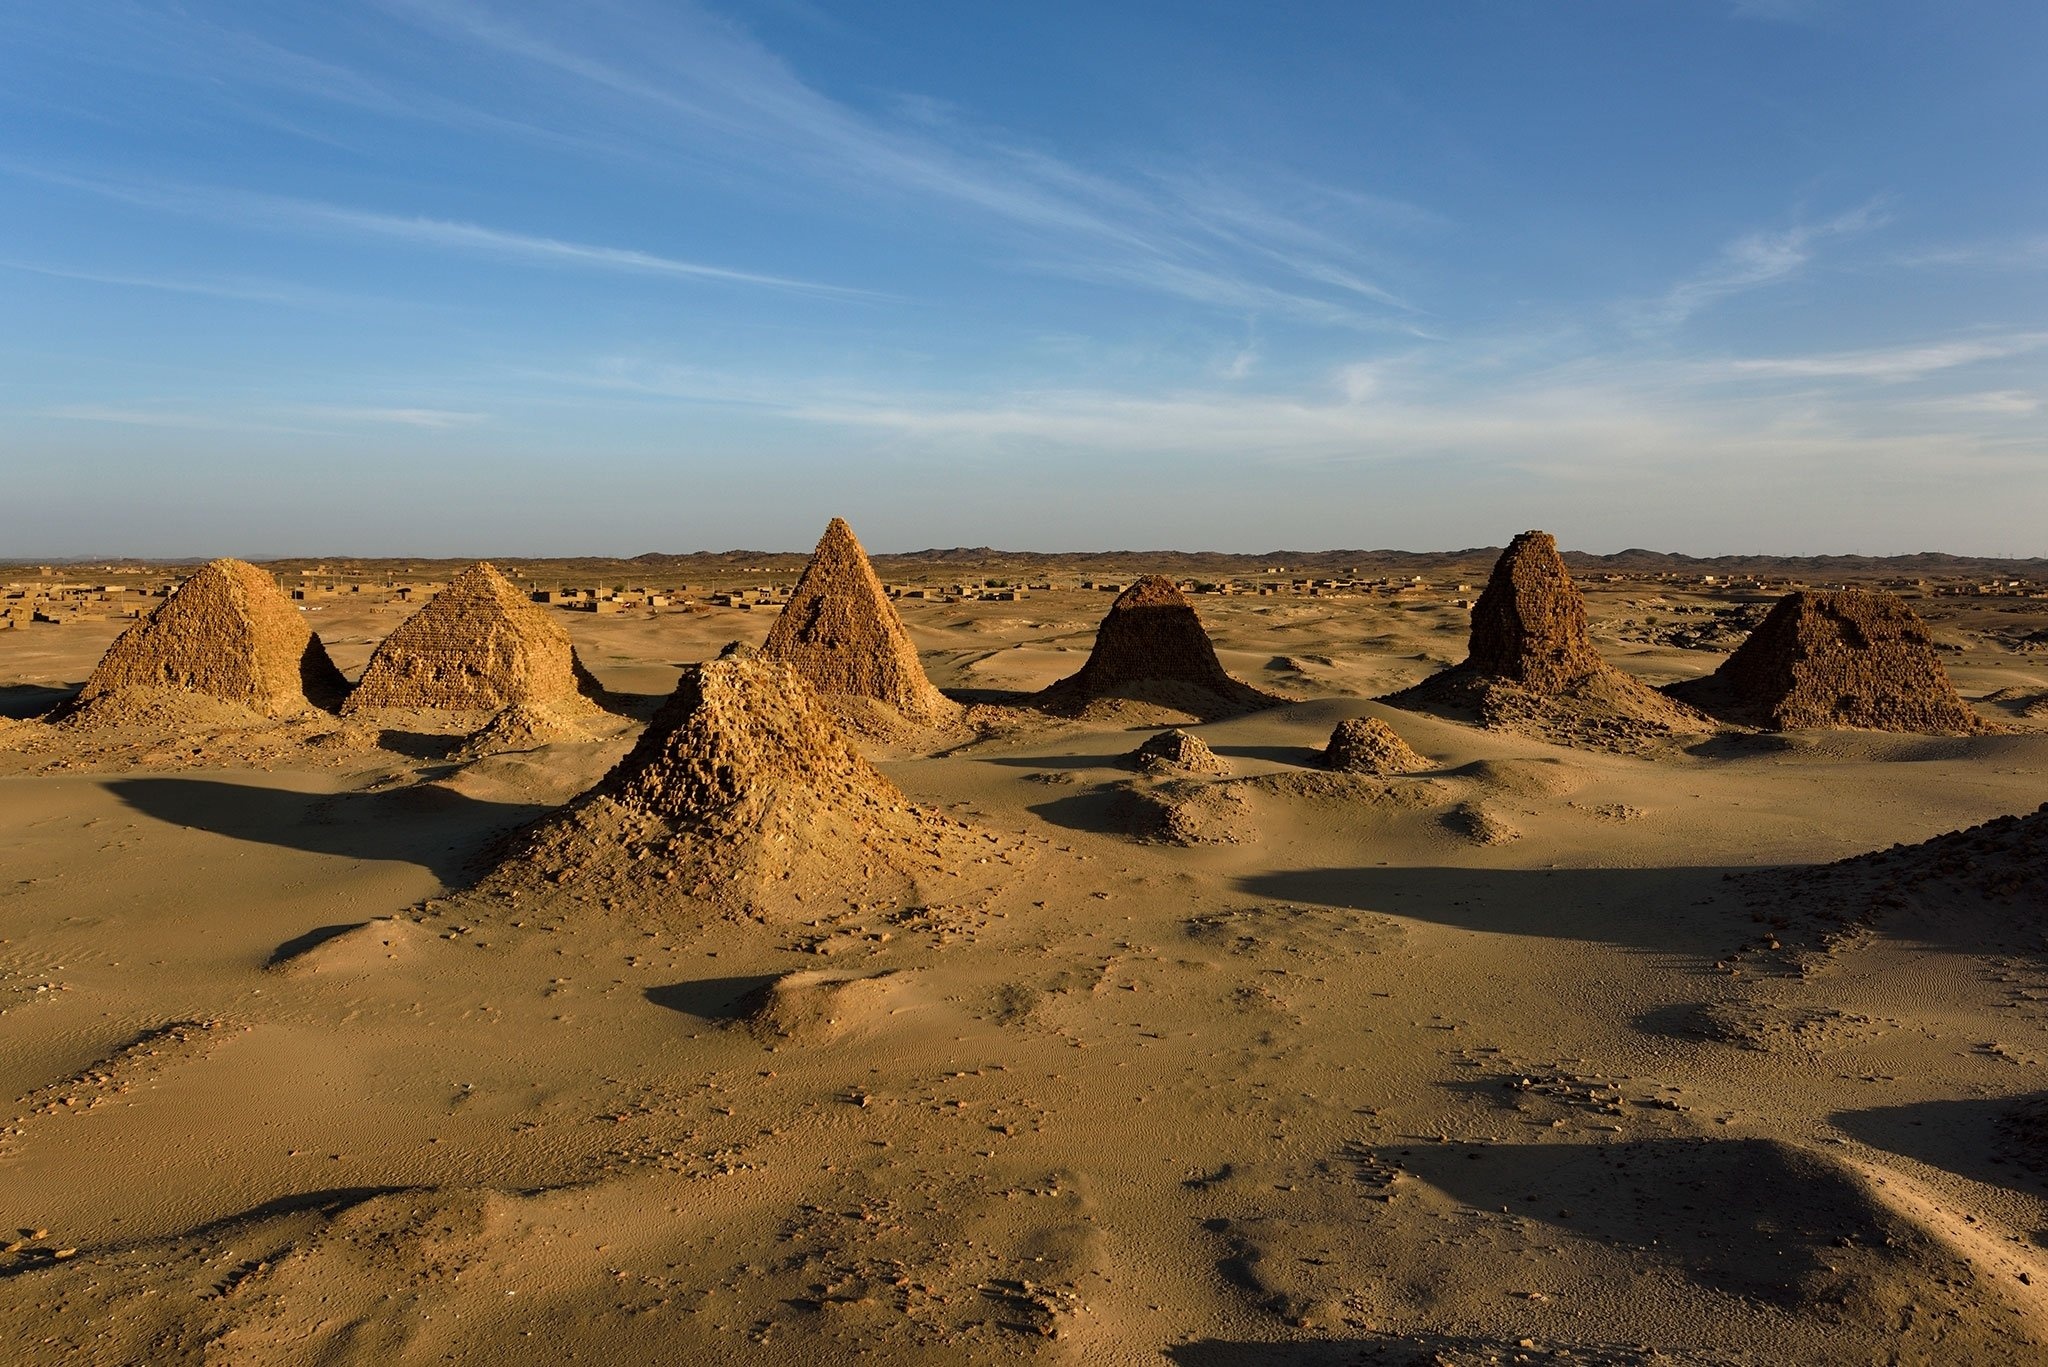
[[227, 632], [1530, 622], [744, 787], [1852, 658], [840, 632], [1151, 647], [736, 736], [480, 645]]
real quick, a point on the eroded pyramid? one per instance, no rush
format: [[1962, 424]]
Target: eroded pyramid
[[841, 633], [1531, 664], [227, 633], [1855, 658], [1367, 745], [1152, 648], [480, 645], [1530, 623], [744, 788]]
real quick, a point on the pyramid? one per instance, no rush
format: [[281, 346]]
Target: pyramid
[[1531, 664], [1530, 623], [227, 633], [1855, 658], [479, 646], [744, 788], [1151, 647], [843, 635], [1367, 745]]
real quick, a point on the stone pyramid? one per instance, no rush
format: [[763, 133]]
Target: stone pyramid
[[1855, 658], [1531, 664], [479, 646], [841, 633], [1151, 647], [1530, 623], [226, 633], [744, 788]]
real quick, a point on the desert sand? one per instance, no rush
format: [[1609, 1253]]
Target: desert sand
[[751, 1021]]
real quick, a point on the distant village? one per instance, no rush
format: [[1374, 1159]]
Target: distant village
[[57, 595]]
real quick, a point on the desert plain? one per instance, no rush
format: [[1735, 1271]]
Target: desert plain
[[1566, 1045]]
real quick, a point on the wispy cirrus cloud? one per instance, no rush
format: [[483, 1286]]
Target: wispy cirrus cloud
[[247, 291], [717, 93], [1753, 261], [291, 418], [1887, 364], [245, 207]]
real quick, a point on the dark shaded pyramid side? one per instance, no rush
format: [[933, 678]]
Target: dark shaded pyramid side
[[1151, 647], [1855, 658]]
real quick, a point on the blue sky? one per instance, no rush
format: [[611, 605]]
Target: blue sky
[[472, 276]]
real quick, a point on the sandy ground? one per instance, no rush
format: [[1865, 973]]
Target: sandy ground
[[1472, 1066]]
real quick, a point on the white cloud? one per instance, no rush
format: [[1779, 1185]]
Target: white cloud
[[1890, 364], [1751, 261]]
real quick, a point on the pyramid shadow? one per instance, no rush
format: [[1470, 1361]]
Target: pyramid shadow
[[1662, 910], [1094, 812], [1300, 756], [708, 999], [1960, 1136], [21, 701], [441, 830]]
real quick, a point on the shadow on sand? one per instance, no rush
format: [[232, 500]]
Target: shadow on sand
[[1687, 910], [434, 827], [709, 999]]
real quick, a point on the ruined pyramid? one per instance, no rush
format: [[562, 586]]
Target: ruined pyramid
[[841, 633], [1531, 665], [228, 634], [1152, 648], [1855, 658], [744, 790], [479, 646], [1367, 745]]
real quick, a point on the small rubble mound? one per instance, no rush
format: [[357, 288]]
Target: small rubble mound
[[1480, 824], [1982, 888], [1367, 745], [226, 634], [843, 636], [1531, 665], [741, 787], [522, 726], [1187, 812], [1853, 659], [1176, 752], [815, 1007], [479, 646], [1152, 648]]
